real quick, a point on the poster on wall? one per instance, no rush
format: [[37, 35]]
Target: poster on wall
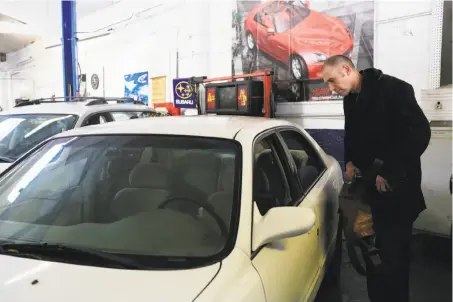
[[294, 37], [159, 92], [136, 86]]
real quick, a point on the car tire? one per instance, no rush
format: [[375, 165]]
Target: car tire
[[251, 41], [333, 272], [298, 67]]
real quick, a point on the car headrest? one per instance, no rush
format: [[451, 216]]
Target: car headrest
[[199, 158], [264, 158], [263, 154], [149, 176], [119, 166], [300, 157]]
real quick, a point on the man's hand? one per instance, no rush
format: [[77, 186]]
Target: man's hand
[[382, 185], [351, 170]]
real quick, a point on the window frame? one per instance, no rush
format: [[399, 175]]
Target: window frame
[[273, 135], [320, 160]]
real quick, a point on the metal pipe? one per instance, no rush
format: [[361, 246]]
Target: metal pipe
[[80, 40]]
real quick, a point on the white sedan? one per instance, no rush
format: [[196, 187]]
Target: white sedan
[[203, 208]]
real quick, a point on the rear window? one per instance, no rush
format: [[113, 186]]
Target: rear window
[[21, 132]]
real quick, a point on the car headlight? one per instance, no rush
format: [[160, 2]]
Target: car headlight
[[315, 57]]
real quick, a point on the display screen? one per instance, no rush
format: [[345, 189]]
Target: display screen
[[242, 97], [227, 98], [210, 98]]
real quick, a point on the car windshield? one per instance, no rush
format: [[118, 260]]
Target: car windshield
[[287, 16], [137, 196], [21, 132]]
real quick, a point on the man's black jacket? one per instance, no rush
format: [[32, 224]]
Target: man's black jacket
[[384, 121]]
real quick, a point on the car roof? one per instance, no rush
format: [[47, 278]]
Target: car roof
[[204, 126], [77, 108]]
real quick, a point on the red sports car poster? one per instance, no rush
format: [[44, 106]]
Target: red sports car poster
[[294, 37]]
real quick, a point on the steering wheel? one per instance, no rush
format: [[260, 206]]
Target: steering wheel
[[204, 205]]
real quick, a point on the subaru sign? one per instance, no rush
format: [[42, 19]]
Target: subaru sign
[[183, 94]]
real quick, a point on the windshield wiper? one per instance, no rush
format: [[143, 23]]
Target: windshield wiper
[[34, 249], [6, 159]]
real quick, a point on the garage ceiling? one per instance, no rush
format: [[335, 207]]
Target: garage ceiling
[[11, 42], [20, 27], [14, 35]]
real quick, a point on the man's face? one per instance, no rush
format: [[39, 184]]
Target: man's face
[[339, 78]]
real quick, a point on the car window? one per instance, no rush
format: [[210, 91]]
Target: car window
[[124, 194], [129, 115], [270, 186], [21, 132], [98, 118], [264, 16], [287, 16], [308, 163]]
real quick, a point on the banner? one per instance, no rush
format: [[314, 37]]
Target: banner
[[183, 95], [159, 93], [293, 38], [136, 86]]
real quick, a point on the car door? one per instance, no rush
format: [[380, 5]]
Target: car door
[[289, 267], [318, 189]]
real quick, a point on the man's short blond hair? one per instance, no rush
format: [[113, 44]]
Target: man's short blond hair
[[336, 61]]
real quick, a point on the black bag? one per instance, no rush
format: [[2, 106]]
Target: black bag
[[358, 222]]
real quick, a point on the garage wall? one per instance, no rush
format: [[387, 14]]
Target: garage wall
[[147, 35], [3, 88]]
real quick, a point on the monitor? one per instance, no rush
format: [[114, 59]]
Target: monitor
[[226, 97]]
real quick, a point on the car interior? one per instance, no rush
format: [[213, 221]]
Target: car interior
[[269, 188], [126, 187]]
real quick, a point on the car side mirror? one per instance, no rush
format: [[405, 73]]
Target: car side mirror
[[280, 223], [271, 31]]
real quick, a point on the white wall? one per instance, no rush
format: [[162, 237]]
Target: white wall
[[403, 39], [3, 88], [148, 41], [201, 31]]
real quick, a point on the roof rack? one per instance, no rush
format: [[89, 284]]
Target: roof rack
[[89, 101]]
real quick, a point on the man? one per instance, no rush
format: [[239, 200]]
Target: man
[[384, 122]]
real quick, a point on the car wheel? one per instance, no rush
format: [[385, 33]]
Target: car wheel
[[251, 42], [298, 67], [334, 269]]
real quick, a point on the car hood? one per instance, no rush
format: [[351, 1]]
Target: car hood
[[32, 280], [4, 166], [322, 31]]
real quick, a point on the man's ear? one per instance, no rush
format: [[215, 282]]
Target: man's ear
[[347, 69]]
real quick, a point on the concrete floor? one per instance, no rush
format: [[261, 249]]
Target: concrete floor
[[431, 279]]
